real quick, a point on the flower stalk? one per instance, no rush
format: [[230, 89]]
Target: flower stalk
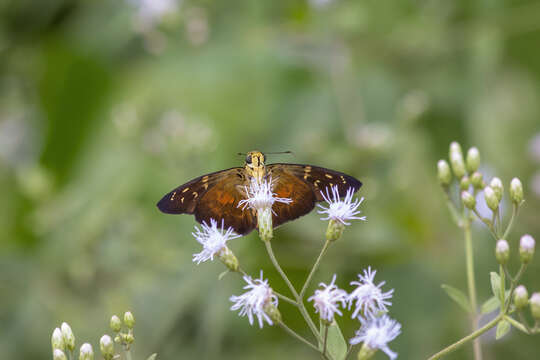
[[471, 284]]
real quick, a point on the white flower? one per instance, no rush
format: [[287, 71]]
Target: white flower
[[369, 297], [326, 300], [213, 240], [377, 332], [67, 334], [59, 355], [86, 352], [526, 243], [341, 210], [57, 339], [252, 303], [106, 346], [259, 196]]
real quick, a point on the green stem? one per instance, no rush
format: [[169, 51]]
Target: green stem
[[471, 285], [299, 302], [452, 208], [128, 354], [515, 209], [325, 338], [502, 289], [349, 350], [517, 324], [314, 268], [285, 298], [499, 222], [466, 339], [487, 222], [297, 336]]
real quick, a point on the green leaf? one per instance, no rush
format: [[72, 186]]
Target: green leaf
[[458, 296], [336, 345], [152, 357], [495, 283], [491, 304], [502, 329]]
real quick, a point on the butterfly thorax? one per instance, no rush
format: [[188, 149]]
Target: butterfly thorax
[[254, 165]]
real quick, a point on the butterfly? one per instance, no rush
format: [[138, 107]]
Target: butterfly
[[216, 195]]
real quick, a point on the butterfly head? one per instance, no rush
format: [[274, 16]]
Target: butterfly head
[[255, 164]]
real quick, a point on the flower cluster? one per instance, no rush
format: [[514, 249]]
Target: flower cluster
[[340, 210], [256, 301], [376, 333], [326, 301], [213, 239], [260, 195], [260, 303], [368, 298], [63, 340], [371, 305], [464, 175]]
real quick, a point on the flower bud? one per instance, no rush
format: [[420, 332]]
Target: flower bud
[[128, 338], [334, 230], [86, 352], [468, 200], [516, 191], [455, 149], [115, 323], [59, 355], [272, 311], [497, 186], [106, 346], [534, 303], [491, 199], [443, 173], [521, 297], [526, 248], [69, 338], [57, 340], [366, 352], [464, 183], [502, 251], [264, 221], [458, 165], [473, 160], [228, 258], [477, 180], [129, 320]]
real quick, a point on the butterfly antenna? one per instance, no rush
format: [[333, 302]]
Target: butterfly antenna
[[280, 152]]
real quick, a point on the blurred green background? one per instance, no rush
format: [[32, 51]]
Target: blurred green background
[[107, 105]]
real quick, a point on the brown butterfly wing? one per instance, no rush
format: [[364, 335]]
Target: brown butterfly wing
[[184, 199], [212, 196], [318, 178], [221, 203], [286, 185]]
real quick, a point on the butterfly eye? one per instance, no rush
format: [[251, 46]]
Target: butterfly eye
[[248, 159]]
